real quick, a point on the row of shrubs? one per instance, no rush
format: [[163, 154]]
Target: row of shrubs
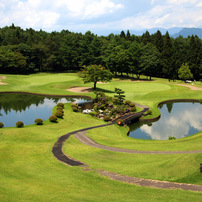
[[58, 114]]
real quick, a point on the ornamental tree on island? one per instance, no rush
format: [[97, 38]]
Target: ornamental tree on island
[[119, 95], [95, 73]]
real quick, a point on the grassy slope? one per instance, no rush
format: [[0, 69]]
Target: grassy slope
[[29, 172]]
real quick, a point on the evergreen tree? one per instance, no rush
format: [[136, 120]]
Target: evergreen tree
[[146, 38], [195, 56], [167, 58], [149, 60], [119, 95]]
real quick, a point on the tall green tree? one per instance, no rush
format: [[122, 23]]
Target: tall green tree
[[195, 56], [134, 53], [94, 74], [69, 52], [158, 40], [167, 58], [39, 55], [149, 60], [118, 60], [146, 38], [184, 72]]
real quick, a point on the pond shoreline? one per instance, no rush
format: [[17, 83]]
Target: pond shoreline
[[48, 95], [144, 120]]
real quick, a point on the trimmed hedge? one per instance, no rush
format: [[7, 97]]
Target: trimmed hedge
[[19, 124], [132, 104], [133, 109], [74, 105], [1, 125], [38, 121], [60, 105], [59, 114], [75, 109], [53, 119], [107, 118], [59, 108]]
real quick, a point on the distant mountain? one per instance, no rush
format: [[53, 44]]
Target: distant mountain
[[171, 31], [189, 32], [174, 32]]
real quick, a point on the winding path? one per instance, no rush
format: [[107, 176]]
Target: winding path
[[86, 140], [79, 134]]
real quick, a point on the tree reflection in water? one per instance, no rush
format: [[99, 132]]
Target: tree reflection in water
[[27, 107]]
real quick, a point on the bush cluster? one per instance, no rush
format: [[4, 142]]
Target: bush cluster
[[59, 114], [132, 104], [133, 109], [171, 138], [75, 109], [60, 105], [93, 113], [107, 118], [1, 125], [53, 119], [19, 124], [127, 102], [38, 121], [149, 112], [59, 108]]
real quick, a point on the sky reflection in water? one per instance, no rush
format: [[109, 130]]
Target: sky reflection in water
[[184, 119], [26, 108]]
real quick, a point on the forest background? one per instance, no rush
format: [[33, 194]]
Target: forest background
[[156, 55]]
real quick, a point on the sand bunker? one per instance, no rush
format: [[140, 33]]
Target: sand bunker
[[80, 89], [190, 86], [2, 77]]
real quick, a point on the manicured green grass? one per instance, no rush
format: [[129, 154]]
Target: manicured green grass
[[116, 136], [44, 83], [29, 171], [183, 168]]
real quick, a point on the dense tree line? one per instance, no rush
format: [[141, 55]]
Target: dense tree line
[[29, 51]]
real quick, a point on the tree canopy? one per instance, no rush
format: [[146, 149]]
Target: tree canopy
[[95, 73], [29, 51], [184, 72]]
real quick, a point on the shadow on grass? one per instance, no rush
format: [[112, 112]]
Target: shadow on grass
[[103, 90], [124, 77]]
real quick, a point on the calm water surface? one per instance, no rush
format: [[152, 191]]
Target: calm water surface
[[177, 119], [26, 108]]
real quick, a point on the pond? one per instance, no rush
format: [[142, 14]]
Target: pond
[[178, 120], [16, 107]]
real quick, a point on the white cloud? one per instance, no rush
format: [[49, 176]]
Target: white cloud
[[80, 15], [199, 4], [178, 125], [178, 2], [46, 13], [100, 8], [166, 15], [89, 8]]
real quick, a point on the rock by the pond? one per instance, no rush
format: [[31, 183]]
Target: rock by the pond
[[87, 111]]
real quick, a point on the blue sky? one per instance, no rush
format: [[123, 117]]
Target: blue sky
[[100, 16]]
